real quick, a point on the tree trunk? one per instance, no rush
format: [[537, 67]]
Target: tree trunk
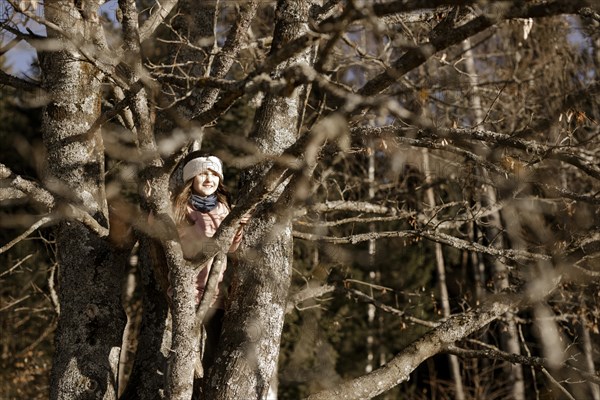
[[373, 274], [91, 320], [444, 297], [146, 380], [510, 338], [249, 348], [588, 353]]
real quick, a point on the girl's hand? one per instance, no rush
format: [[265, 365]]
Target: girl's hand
[[244, 220]]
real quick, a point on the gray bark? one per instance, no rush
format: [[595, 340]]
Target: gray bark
[[224, 59], [91, 269], [249, 347], [91, 320]]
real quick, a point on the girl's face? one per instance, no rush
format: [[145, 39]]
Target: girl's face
[[206, 183]]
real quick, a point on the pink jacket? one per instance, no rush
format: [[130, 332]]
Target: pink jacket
[[194, 236]]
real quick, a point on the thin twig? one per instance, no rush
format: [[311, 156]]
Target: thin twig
[[15, 302], [17, 265], [561, 387], [38, 224]]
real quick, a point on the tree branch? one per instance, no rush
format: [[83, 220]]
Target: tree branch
[[34, 191], [156, 18], [356, 206], [434, 138], [306, 294], [555, 382], [592, 198], [44, 221], [17, 83], [438, 237], [448, 37], [398, 369], [494, 354], [49, 201], [361, 220], [210, 289], [225, 58], [581, 159]]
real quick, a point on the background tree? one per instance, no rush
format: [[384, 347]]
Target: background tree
[[462, 139]]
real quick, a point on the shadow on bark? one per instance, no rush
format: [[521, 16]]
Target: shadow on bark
[[146, 381]]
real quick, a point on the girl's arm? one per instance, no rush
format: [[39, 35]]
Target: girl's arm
[[239, 234]]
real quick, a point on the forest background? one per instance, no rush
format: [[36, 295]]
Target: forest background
[[423, 178]]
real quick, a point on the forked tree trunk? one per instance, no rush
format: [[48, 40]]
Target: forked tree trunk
[[91, 320], [249, 348]]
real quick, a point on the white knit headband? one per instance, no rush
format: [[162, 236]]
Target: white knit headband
[[201, 164]]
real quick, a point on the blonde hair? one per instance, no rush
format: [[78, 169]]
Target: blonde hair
[[182, 197]]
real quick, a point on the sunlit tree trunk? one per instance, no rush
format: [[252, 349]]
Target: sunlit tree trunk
[[91, 320], [249, 347]]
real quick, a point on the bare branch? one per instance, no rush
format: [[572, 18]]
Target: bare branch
[[104, 62], [310, 292], [356, 206], [495, 354], [18, 83], [31, 189], [557, 384], [14, 303], [579, 158], [360, 220], [48, 201], [225, 58], [156, 18], [8, 194], [384, 307], [441, 138], [449, 36], [398, 370], [508, 254], [44, 221], [17, 265], [211, 286], [592, 198]]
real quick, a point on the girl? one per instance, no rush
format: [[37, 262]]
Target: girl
[[199, 209]]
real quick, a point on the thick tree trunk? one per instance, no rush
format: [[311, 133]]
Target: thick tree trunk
[[91, 320], [249, 348]]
